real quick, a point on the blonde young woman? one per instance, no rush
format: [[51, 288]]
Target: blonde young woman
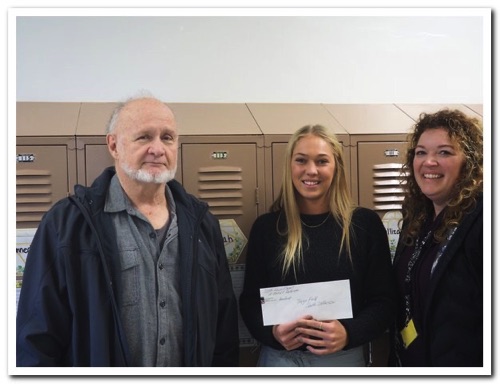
[[313, 233]]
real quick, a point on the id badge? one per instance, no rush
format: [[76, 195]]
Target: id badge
[[409, 334]]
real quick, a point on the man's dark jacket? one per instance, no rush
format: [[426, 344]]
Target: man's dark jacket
[[68, 313]]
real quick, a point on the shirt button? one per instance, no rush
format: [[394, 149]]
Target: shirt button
[[162, 304], [162, 341], [160, 266], [152, 235]]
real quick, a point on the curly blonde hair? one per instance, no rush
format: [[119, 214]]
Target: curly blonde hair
[[467, 133]]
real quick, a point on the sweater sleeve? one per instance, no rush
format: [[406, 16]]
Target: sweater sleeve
[[258, 257], [373, 291]]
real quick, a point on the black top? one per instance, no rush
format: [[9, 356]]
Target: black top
[[450, 309], [369, 272], [416, 287]]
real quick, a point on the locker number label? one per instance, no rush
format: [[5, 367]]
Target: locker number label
[[219, 155], [25, 158], [391, 153]]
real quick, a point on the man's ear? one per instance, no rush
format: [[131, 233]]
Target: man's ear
[[112, 145]]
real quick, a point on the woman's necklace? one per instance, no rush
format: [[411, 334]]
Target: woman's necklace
[[317, 225]]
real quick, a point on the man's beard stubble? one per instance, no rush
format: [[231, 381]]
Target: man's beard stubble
[[146, 177]]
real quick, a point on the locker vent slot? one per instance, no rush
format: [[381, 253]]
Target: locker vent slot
[[388, 183], [33, 195], [222, 188]]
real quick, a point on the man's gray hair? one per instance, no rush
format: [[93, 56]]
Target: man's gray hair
[[142, 94]]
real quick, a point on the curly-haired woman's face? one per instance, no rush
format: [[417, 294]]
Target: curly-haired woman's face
[[437, 165]]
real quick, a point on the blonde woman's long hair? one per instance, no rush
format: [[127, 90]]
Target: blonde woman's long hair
[[341, 205]]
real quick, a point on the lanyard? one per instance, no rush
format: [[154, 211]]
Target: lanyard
[[449, 235], [413, 260]]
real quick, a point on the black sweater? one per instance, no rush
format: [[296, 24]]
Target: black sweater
[[372, 285]]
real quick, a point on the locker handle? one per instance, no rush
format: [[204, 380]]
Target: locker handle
[[219, 169], [388, 166]]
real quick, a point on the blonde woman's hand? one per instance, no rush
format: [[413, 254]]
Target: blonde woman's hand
[[286, 334], [322, 337]]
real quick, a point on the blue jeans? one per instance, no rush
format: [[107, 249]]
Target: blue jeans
[[270, 357]]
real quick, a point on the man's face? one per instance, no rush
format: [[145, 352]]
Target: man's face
[[144, 142]]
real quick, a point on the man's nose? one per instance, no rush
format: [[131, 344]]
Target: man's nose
[[156, 147]]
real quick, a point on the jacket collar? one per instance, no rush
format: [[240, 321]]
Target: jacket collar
[[94, 197]]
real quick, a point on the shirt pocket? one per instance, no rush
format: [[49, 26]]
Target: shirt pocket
[[129, 261]]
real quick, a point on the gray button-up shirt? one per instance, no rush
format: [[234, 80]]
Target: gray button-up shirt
[[150, 303]]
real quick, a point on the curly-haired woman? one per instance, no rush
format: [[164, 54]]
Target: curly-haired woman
[[439, 258]]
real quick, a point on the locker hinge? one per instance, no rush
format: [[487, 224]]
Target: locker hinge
[[257, 196]]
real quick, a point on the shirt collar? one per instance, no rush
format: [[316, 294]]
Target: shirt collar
[[117, 200]]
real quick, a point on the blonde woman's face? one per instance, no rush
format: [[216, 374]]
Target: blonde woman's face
[[312, 169]]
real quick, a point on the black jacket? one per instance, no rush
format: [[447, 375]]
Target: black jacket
[[452, 321], [68, 313]]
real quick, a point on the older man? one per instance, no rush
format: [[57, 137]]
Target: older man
[[132, 270]]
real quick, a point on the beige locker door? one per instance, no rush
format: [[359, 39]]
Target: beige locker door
[[97, 158], [379, 171], [279, 150], [224, 176], [39, 184]]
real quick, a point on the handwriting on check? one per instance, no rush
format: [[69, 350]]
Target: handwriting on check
[[309, 302], [326, 300]]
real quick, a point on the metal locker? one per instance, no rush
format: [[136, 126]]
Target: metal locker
[[222, 162], [477, 108], [379, 172], [92, 152], [45, 158], [367, 125], [225, 176], [414, 110]]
